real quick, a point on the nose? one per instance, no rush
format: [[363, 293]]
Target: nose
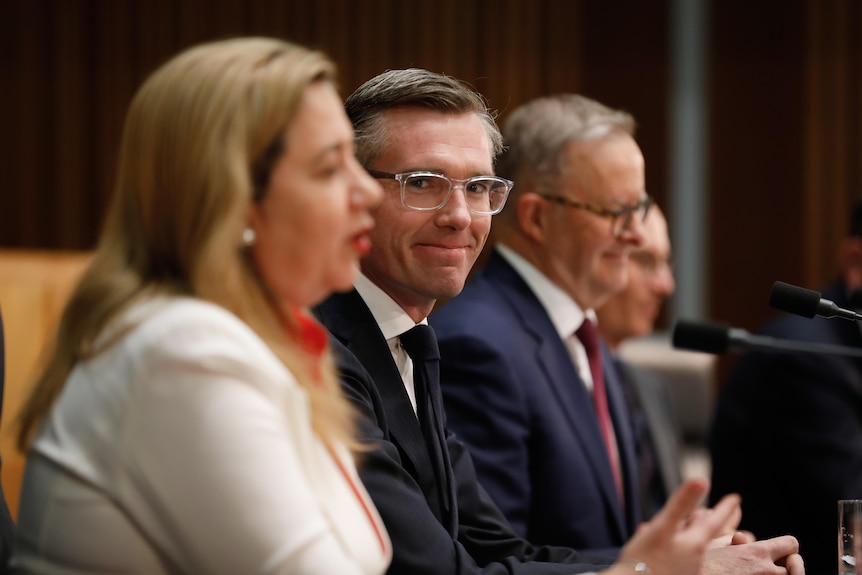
[[455, 213], [632, 230], [668, 283], [367, 192], [664, 283]]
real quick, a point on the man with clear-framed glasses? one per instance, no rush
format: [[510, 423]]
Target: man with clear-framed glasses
[[527, 383], [432, 143]]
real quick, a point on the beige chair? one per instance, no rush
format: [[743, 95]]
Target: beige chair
[[7, 525], [34, 287]]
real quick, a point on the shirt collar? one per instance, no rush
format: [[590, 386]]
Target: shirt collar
[[391, 318], [566, 315]]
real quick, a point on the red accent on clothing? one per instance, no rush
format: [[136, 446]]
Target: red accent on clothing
[[312, 334]]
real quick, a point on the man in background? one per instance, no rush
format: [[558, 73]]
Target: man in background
[[521, 361], [632, 313], [801, 407], [527, 383]]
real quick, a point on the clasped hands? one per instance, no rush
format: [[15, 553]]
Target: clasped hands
[[684, 539]]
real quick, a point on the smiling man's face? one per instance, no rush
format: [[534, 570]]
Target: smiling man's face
[[421, 256]]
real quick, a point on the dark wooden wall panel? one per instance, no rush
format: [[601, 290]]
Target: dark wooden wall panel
[[786, 101], [833, 128], [757, 166], [73, 66], [626, 64]]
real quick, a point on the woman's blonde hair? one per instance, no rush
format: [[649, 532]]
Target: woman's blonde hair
[[200, 139]]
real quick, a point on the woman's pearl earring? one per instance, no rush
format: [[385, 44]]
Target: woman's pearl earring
[[248, 237]]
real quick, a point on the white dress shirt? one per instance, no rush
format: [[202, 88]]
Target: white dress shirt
[[393, 322]]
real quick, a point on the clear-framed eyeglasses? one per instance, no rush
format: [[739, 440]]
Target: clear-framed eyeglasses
[[427, 191], [621, 218]]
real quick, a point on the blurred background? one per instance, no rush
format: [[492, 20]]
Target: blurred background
[[749, 111]]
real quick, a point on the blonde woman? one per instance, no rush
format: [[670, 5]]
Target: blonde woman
[[188, 419]]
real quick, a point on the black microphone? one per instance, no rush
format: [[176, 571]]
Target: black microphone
[[806, 302], [718, 338]]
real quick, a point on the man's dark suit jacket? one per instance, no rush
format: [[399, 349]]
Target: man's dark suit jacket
[[7, 527], [513, 394], [787, 435], [456, 530]]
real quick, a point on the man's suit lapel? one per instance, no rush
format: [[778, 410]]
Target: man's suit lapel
[[567, 386], [348, 318]]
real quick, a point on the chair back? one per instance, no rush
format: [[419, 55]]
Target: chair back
[[7, 526]]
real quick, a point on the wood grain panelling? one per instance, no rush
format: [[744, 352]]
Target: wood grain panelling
[[833, 129], [72, 67], [756, 172], [626, 65], [786, 122]]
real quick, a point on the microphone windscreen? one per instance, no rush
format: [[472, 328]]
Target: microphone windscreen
[[701, 336], [794, 299]]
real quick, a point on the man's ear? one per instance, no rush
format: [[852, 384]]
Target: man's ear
[[851, 262], [533, 216]]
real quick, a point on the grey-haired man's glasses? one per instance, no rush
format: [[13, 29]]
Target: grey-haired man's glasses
[[621, 218], [427, 191]]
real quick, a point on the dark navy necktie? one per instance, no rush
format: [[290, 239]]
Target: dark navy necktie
[[420, 343]]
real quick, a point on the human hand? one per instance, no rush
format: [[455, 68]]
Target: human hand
[[776, 556], [742, 537], [675, 540], [728, 533], [735, 538]]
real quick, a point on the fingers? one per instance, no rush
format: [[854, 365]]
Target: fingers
[[742, 537], [697, 513], [720, 516], [780, 547], [795, 565], [720, 541], [683, 502], [735, 538], [726, 533], [732, 522]]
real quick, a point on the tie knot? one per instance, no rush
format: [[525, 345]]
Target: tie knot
[[420, 343], [589, 336]]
